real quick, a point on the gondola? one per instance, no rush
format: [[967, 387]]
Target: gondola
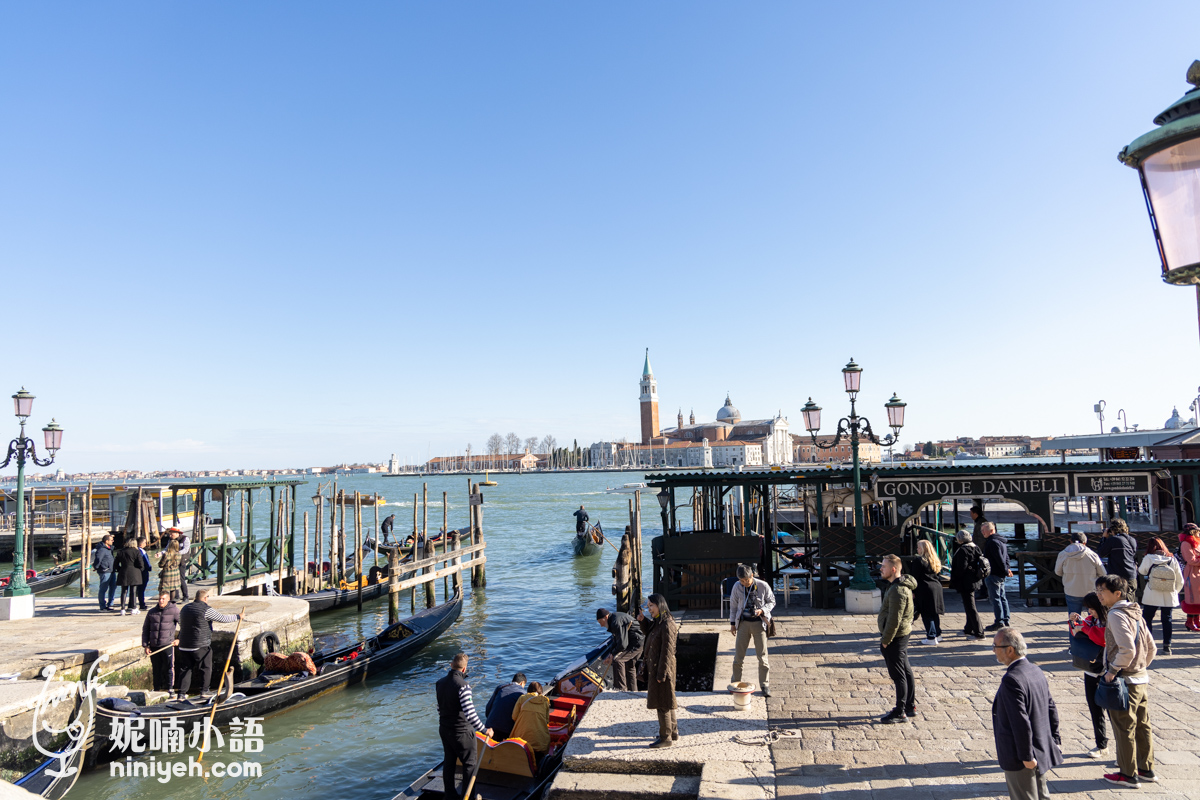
[[508, 770], [590, 542], [329, 599], [269, 693], [49, 779], [50, 579]]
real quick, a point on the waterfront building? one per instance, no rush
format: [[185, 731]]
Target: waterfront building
[[808, 453]]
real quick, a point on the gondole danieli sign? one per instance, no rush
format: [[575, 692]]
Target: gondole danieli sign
[[1034, 492]]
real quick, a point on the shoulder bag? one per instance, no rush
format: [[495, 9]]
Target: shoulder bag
[[1113, 696]]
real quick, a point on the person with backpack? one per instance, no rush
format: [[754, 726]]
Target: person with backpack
[[1189, 562], [1164, 582], [1128, 652], [1092, 627], [1079, 566], [1119, 550], [968, 568]]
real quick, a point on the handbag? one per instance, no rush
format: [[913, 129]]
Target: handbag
[[1113, 696], [1083, 647], [770, 628]]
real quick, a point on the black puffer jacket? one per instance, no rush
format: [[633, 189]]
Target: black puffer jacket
[[158, 630]]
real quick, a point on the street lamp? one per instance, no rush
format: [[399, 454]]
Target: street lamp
[[1121, 415], [1168, 163], [856, 428], [664, 497], [22, 448]]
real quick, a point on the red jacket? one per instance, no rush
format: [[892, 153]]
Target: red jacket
[[1092, 627]]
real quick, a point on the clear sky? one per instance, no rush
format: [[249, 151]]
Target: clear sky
[[294, 234]]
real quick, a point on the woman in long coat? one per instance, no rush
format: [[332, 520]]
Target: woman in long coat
[[927, 599], [128, 566], [1189, 553], [658, 653], [168, 577]]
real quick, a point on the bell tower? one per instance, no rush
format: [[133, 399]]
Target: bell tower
[[649, 401]]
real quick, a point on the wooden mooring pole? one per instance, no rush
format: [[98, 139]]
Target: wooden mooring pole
[[445, 542], [430, 599], [478, 576], [304, 566], [358, 559]]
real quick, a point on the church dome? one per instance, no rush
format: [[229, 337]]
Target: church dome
[[1174, 422], [729, 413]]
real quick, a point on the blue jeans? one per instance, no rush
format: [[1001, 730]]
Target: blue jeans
[[107, 584], [995, 590], [1074, 605]]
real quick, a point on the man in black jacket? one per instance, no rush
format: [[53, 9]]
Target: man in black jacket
[[627, 647], [195, 643], [581, 520], [457, 725], [103, 563], [1119, 550], [385, 527], [996, 552], [499, 709], [158, 631], [1024, 721]]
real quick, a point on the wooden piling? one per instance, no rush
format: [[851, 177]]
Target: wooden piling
[[358, 546], [375, 555], [333, 535], [85, 549], [393, 582], [317, 559], [445, 542], [280, 528], [304, 573], [456, 576], [430, 600], [478, 576], [342, 533]]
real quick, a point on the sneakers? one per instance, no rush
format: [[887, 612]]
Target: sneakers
[[1121, 779], [133, 612], [910, 712], [893, 717], [995, 626], [766, 690], [931, 642], [1147, 775], [1166, 650], [1098, 752], [661, 743], [122, 612]]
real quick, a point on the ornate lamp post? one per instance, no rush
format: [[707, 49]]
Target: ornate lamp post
[[1168, 163], [857, 429], [664, 497], [22, 449]]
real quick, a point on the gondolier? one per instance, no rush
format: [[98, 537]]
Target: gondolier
[[195, 643], [627, 647], [457, 724], [385, 528], [581, 520]]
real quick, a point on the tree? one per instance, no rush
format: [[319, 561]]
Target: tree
[[549, 445], [531, 444], [927, 448], [512, 444], [495, 444]]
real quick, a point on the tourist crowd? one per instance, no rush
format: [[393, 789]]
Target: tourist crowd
[[129, 570]]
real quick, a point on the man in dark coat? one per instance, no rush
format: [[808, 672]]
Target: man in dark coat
[[1118, 548], [158, 631], [499, 709], [103, 563], [978, 518], [1024, 721], [965, 567], [627, 647], [195, 643], [996, 552], [385, 527], [581, 520], [457, 725]]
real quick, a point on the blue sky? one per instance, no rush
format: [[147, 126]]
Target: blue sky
[[269, 234]]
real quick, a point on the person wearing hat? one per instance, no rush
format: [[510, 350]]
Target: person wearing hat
[[185, 549]]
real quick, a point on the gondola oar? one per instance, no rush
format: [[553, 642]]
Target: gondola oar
[[466, 795], [136, 660], [221, 683]]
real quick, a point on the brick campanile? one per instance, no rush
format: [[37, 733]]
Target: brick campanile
[[649, 400]]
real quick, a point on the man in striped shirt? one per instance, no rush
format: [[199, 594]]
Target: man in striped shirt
[[457, 724], [195, 644]]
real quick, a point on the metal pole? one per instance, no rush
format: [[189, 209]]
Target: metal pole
[[862, 576], [17, 587]]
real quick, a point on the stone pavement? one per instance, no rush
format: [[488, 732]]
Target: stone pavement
[[829, 684]]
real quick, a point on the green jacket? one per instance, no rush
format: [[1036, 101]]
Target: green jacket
[[896, 610]]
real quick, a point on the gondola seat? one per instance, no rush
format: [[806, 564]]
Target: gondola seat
[[562, 716], [513, 756], [580, 704]]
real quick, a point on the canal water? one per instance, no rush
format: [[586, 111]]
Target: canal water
[[536, 615]]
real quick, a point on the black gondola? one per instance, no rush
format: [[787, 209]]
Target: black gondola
[[268, 693], [51, 579], [515, 782], [49, 779], [589, 542], [329, 599]]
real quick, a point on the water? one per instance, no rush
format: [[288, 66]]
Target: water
[[536, 615]]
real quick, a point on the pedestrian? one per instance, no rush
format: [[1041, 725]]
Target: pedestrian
[[103, 562], [1128, 652], [996, 552], [128, 566], [581, 520], [978, 518], [627, 642], [385, 527], [168, 565], [928, 603], [1092, 626], [968, 568], [750, 604], [531, 719], [895, 624], [185, 559], [159, 630], [1164, 582], [457, 725], [1024, 720], [143, 543], [1189, 558], [1079, 566], [661, 631], [195, 643], [1118, 548], [499, 709]]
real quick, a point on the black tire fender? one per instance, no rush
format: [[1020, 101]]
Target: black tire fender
[[265, 642]]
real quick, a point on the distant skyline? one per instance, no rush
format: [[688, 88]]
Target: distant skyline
[[251, 239]]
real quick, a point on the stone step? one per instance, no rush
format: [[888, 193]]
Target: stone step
[[609, 786]]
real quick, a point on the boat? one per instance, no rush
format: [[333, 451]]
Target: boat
[[50, 579], [508, 770], [49, 779], [487, 481], [270, 693], [590, 542], [374, 587], [628, 488]]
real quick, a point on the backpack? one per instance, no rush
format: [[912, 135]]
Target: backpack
[[1161, 579], [981, 568]]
